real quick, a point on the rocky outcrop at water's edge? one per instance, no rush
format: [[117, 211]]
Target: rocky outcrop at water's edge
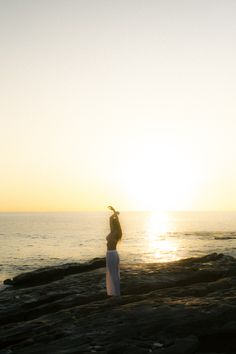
[[182, 307]]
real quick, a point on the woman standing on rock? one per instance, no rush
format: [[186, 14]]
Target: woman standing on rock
[[112, 256]]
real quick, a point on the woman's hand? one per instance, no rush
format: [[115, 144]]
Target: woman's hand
[[114, 211]]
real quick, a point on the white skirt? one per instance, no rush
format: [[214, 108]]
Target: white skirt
[[113, 273]]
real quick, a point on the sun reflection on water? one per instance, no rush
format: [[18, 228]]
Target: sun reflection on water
[[162, 248], [158, 223]]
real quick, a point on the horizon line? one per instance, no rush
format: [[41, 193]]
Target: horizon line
[[121, 211]]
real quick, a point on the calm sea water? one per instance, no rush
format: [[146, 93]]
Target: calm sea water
[[32, 240]]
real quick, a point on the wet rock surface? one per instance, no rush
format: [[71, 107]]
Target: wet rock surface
[[182, 307]]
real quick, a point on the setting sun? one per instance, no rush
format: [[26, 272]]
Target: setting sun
[[161, 177]]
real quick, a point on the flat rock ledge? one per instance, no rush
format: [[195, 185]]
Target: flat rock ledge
[[182, 307]]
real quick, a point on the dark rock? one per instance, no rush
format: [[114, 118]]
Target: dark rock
[[188, 307], [48, 274], [187, 345], [8, 282]]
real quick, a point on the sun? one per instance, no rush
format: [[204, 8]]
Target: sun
[[162, 181]]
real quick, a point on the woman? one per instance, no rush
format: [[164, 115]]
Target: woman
[[112, 257]]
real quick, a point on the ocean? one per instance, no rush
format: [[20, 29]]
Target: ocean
[[32, 240]]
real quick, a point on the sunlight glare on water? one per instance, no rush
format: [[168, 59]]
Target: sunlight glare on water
[[163, 249]]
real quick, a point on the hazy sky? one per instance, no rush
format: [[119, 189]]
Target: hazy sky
[[124, 102]]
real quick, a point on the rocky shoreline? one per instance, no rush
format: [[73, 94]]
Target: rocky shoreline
[[182, 307]]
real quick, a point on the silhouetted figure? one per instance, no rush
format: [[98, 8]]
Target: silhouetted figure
[[112, 256]]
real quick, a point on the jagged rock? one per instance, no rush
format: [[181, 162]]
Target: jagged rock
[[48, 274], [189, 307], [187, 345]]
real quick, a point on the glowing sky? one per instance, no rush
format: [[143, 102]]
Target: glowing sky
[[123, 102]]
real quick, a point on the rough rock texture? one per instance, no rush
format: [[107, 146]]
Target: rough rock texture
[[48, 274], [180, 307]]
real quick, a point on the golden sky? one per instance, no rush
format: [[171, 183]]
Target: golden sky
[[126, 102]]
